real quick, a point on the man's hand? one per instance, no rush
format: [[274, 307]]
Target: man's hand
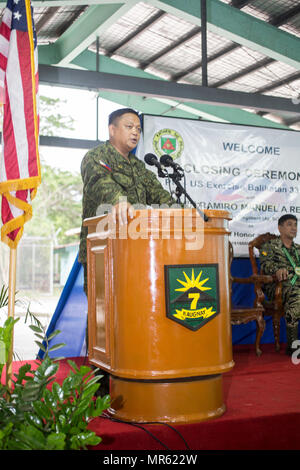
[[121, 212], [282, 274]]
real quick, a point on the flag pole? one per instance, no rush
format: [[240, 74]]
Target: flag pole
[[11, 310]]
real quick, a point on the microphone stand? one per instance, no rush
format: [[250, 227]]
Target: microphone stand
[[176, 176]]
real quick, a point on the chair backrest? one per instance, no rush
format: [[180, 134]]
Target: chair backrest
[[258, 242]]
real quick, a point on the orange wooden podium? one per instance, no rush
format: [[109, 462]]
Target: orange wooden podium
[[165, 350]]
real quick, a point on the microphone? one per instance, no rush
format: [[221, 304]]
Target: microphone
[[166, 160], [152, 160]]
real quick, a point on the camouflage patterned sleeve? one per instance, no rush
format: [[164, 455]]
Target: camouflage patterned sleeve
[[98, 185], [266, 260], [155, 193], [270, 258]]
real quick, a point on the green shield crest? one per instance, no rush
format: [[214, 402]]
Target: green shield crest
[[168, 144], [192, 294]]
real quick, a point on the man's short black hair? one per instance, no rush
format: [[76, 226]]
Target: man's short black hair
[[285, 217], [119, 112]]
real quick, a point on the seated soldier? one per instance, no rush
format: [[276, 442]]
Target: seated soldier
[[281, 256]]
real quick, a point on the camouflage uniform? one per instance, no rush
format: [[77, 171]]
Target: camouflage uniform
[[272, 258], [107, 176]]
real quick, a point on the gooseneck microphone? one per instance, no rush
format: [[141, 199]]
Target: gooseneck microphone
[[166, 160], [152, 160], [178, 174]]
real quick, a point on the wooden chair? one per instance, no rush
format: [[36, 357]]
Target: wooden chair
[[255, 312], [273, 308]]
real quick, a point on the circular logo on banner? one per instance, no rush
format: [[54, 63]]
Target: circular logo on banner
[[168, 141]]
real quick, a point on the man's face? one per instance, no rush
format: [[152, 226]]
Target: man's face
[[288, 229], [125, 133]]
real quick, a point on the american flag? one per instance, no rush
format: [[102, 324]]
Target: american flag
[[19, 163]]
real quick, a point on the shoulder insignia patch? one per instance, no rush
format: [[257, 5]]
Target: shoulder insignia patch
[[105, 165]]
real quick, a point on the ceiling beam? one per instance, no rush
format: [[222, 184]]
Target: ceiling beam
[[239, 27], [47, 16], [83, 32], [132, 36], [87, 79], [162, 107], [67, 142], [280, 82], [277, 20], [239, 3], [67, 3], [146, 105], [245, 71], [178, 43], [217, 113]]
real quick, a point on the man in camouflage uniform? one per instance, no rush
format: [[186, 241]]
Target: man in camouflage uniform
[[110, 172], [281, 256]]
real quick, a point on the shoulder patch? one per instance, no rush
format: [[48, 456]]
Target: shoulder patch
[[105, 165]]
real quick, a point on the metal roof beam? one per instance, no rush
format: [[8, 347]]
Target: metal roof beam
[[136, 33], [162, 107], [226, 114], [66, 3], [162, 89], [239, 27], [83, 32], [280, 82], [241, 73], [179, 42], [275, 21], [279, 20], [239, 3], [147, 105], [290, 122], [46, 18], [180, 75]]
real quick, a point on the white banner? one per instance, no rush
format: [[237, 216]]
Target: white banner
[[252, 172]]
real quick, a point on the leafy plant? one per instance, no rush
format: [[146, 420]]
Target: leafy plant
[[37, 413], [4, 296], [5, 340]]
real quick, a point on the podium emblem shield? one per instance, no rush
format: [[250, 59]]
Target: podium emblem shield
[[192, 294]]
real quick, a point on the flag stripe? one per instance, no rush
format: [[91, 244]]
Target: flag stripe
[[29, 125], [5, 32], [3, 64], [9, 144], [20, 167]]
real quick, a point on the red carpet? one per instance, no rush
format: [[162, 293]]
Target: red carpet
[[262, 396]]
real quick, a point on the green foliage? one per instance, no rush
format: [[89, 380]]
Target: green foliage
[[51, 120], [39, 417], [57, 205], [5, 340], [4, 296], [38, 413]]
